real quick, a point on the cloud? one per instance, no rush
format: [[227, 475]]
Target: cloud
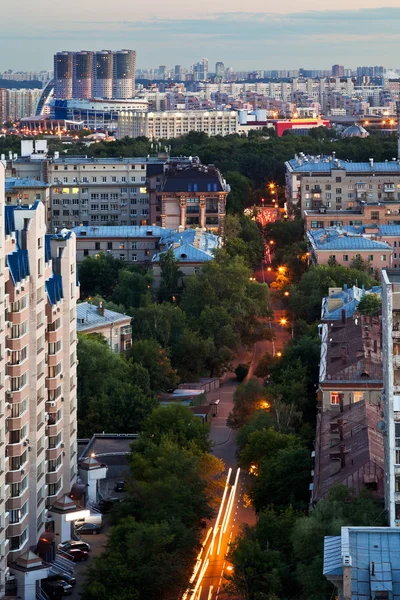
[[253, 40]]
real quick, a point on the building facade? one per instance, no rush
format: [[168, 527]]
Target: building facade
[[315, 182], [173, 123], [38, 374], [391, 423], [113, 326]]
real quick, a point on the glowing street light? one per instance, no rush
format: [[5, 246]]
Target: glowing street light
[[281, 269], [286, 294], [279, 354], [283, 321]]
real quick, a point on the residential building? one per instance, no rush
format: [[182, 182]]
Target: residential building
[[27, 191], [113, 326], [337, 71], [343, 246], [174, 123], [38, 402], [390, 425], [193, 195], [141, 244], [362, 562], [313, 182], [87, 74], [366, 215], [17, 104], [344, 299], [349, 450]]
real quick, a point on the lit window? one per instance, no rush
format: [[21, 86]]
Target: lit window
[[335, 398], [358, 396]]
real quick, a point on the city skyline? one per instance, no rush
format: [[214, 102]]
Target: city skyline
[[256, 40]]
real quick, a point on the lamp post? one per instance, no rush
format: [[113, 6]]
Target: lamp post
[[284, 322]]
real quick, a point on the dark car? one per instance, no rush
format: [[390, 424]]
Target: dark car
[[107, 504], [75, 545], [76, 554], [120, 486], [88, 528], [61, 577], [56, 589]]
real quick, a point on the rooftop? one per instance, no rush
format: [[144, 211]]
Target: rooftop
[[351, 351], [187, 253], [373, 555], [119, 231], [12, 183], [89, 316], [194, 179], [344, 238], [346, 299], [325, 164], [349, 450]]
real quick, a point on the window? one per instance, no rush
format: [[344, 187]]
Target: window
[[358, 396], [86, 252], [122, 256], [370, 257], [335, 398], [328, 186], [397, 435], [97, 245], [383, 257], [109, 245], [338, 190], [134, 258], [134, 245], [94, 179], [338, 180], [345, 257]]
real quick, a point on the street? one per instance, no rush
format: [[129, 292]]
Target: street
[[212, 566]]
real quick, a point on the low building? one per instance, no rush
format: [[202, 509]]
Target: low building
[[113, 326], [342, 246], [364, 215], [27, 191], [349, 450], [343, 302], [362, 563], [350, 362]]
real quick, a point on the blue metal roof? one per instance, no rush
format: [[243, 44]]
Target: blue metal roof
[[389, 230], [9, 219], [187, 253], [47, 248], [26, 182], [204, 241], [324, 164], [54, 289], [332, 555], [18, 263], [336, 238], [118, 231]]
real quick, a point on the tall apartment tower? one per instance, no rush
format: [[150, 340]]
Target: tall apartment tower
[[220, 69], [337, 71], [38, 292], [82, 80], [390, 424], [124, 74], [63, 70], [103, 74]]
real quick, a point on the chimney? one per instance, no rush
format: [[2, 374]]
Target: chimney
[[101, 310], [341, 403], [343, 316], [371, 163]]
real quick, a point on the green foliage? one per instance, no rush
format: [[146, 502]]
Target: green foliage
[[245, 402], [360, 264], [284, 233], [99, 275], [171, 278], [370, 305], [132, 289], [155, 360], [113, 394], [240, 195], [241, 372]]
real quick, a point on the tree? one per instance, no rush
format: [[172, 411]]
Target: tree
[[241, 371], [162, 322], [98, 275], [189, 355], [155, 360], [171, 278], [177, 423], [132, 289], [264, 365], [370, 305], [246, 398], [240, 195], [360, 264]]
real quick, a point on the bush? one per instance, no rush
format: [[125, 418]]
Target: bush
[[242, 371]]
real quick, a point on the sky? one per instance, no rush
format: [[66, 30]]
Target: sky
[[282, 35]]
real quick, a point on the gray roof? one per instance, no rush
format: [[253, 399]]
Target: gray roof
[[119, 231], [187, 253], [325, 164], [92, 318]]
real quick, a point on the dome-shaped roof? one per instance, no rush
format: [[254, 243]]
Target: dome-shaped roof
[[355, 131]]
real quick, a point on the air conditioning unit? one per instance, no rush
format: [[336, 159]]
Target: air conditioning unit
[[61, 376], [62, 445], [26, 442], [346, 560], [9, 394], [22, 472]]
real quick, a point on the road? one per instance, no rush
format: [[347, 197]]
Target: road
[[212, 565]]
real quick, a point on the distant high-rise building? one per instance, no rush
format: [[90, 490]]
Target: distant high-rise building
[[63, 70], [220, 69], [178, 73], [103, 74], [337, 71], [162, 72], [124, 74], [82, 81]]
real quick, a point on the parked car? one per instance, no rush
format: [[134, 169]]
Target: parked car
[[93, 518], [120, 486], [88, 528], [74, 544], [76, 554], [61, 577], [107, 504], [56, 589]]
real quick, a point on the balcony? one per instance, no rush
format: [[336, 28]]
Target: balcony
[[54, 453], [53, 427], [54, 359], [16, 318], [18, 501], [54, 336], [18, 448], [126, 334], [52, 383], [17, 343], [17, 369], [16, 476], [14, 423], [53, 477]]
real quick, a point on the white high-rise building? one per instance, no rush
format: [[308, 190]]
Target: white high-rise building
[[38, 405]]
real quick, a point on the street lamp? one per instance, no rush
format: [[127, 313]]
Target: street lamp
[[287, 294], [281, 269]]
